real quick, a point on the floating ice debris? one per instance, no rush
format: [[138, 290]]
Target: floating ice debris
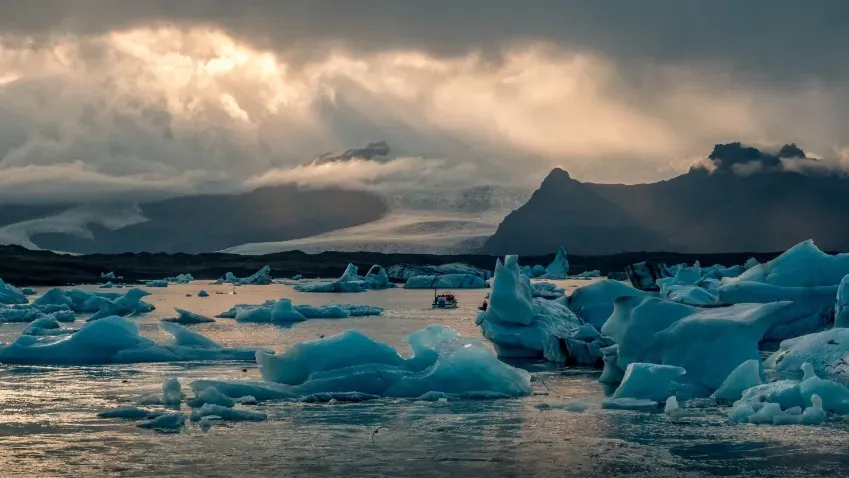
[[10, 294], [648, 381], [203, 293], [213, 396], [180, 279], [672, 408], [745, 376], [376, 278], [205, 424], [630, 404], [442, 361], [261, 277], [586, 275], [31, 312], [803, 265], [519, 325], [156, 283], [407, 271], [576, 406], [281, 312], [109, 276], [329, 311], [167, 422], [102, 304], [187, 318], [547, 290], [47, 325], [593, 303], [225, 413], [127, 413], [117, 340], [446, 281], [172, 393], [107, 285]]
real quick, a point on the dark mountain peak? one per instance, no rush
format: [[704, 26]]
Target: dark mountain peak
[[557, 176], [373, 151], [791, 151]]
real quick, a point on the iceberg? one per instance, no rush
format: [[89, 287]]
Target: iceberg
[[31, 312], [559, 267], [127, 413], [404, 272], [520, 326], [375, 279], [745, 376], [10, 294], [648, 381], [172, 393], [690, 295], [446, 281], [213, 396], [28, 291], [47, 325], [117, 340], [547, 290], [826, 351], [203, 293], [107, 285], [109, 276], [280, 312], [260, 277], [180, 279], [156, 283], [841, 305], [227, 413], [834, 396], [187, 318], [758, 292], [593, 303], [172, 421], [442, 361], [630, 404], [329, 311], [708, 343], [803, 265]]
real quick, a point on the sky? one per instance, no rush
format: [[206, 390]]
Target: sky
[[106, 99]]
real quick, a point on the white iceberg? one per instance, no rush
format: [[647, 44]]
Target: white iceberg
[[827, 352], [10, 294], [648, 381], [803, 265], [351, 362], [446, 281], [834, 396], [519, 325], [559, 267], [350, 281], [747, 375], [172, 393], [593, 303], [213, 396], [260, 277], [117, 340]]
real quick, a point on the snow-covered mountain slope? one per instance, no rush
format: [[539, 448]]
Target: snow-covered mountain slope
[[419, 222]]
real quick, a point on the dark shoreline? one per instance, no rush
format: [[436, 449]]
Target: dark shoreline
[[24, 267]]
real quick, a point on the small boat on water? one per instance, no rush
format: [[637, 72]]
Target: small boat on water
[[444, 301]]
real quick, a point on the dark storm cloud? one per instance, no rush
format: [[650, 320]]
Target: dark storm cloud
[[782, 40]]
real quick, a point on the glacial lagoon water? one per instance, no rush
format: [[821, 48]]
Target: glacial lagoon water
[[48, 423]]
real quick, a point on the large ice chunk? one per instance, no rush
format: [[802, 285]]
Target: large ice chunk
[[648, 381], [803, 265], [747, 375], [446, 281], [841, 306], [328, 311], [827, 352], [559, 267], [593, 303], [520, 325], [835, 396], [10, 294], [117, 340], [442, 361], [186, 317]]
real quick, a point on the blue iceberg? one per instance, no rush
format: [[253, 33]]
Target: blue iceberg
[[375, 279], [261, 277], [405, 272], [446, 281], [10, 294]]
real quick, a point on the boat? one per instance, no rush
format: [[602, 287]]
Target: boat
[[444, 301]]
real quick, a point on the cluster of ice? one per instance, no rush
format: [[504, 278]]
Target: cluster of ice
[[827, 352], [32, 312], [803, 265], [407, 271], [10, 294], [446, 281], [186, 317], [708, 343], [353, 366], [557, 270], [547, 290], [282, 311], [117, 340], [520, 325], [261, 277], [350, 281], [101, 304], [109, 276], [156, 283], [180, 279]]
